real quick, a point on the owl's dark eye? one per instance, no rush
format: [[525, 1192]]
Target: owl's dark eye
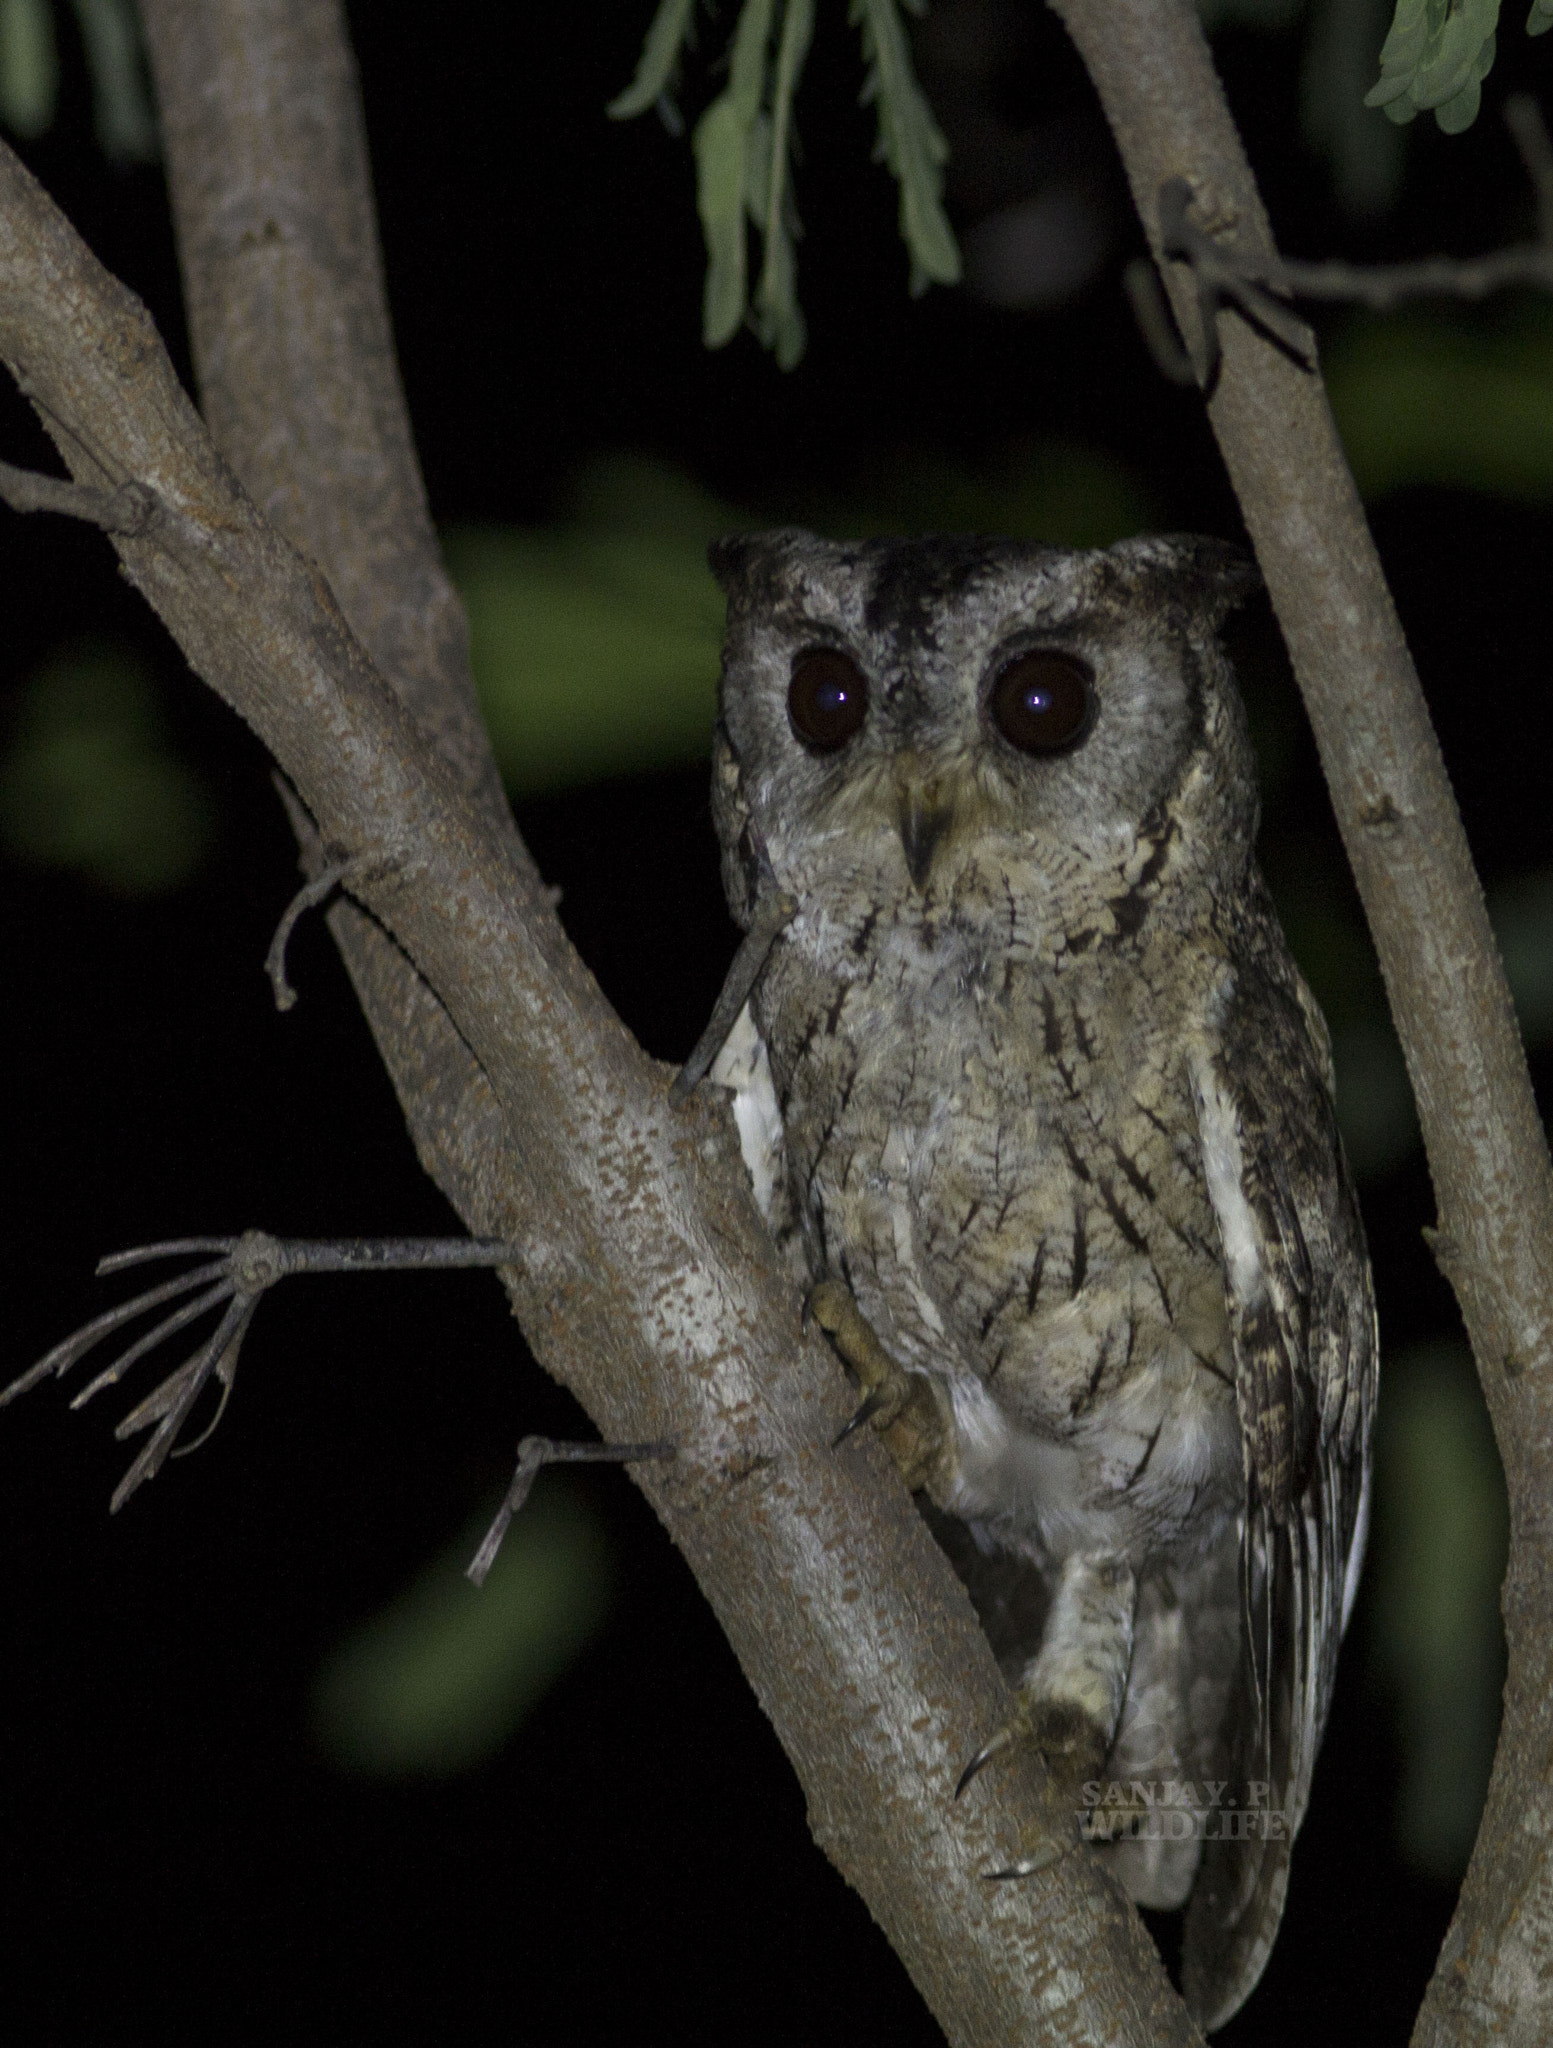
[[827, 700], [1043, 701]]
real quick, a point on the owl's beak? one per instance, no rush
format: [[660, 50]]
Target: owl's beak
[[925, 812]]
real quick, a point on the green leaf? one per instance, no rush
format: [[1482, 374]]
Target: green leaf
[[29, 66], [910, 141], [440, 1680], [671, 28], [1406, 38], [1461, 111], [778, 320], [121, 99], [722, 150], [1540, 20], [721, 147]]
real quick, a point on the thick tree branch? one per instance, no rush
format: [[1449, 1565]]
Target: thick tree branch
[[1487, 1155], [649, 1284]]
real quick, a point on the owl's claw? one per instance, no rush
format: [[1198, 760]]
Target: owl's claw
[[1010, 1733], [866, 1410], [902, 1406], [1070, 1745]]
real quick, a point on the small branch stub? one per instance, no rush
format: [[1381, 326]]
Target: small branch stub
[[128, 510], [535, 1451]]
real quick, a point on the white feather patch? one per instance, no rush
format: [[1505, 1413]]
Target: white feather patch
[[1224, 1171], [742, 1066]]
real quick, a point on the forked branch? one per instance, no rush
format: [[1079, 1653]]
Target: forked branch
[[648, 1284]]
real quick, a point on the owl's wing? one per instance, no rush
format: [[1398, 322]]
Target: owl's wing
[[1302, 1315]]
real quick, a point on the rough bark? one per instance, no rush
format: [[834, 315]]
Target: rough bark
[[648, 1283], [1487, 1155]]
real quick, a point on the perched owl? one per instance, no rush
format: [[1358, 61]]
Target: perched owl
[[1028, 1081]]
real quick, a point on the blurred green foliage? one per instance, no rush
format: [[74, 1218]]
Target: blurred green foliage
[[1374, 1100], [29, 66], [1436, 399], [1436, 1640], [88, 783], [121, 96], [595, 643], [1057, 491], [440, 1680]]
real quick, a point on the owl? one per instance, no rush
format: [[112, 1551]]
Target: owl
[[1029, 1085]]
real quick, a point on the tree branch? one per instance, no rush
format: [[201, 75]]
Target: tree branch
[[649, 1285], [1489, 1162]]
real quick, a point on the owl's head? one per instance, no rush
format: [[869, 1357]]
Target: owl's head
[[906, 706]]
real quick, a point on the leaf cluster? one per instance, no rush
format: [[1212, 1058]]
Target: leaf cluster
[[1437, 54], [744, 147]]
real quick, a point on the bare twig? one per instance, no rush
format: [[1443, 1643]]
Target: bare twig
[[129, 509], [774, 912], [1151, 310], [1258, 282], [241, 1274], [535, 1452], [337, 875], [1487, 1155]]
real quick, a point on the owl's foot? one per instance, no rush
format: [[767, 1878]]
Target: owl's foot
[[1070, 1702], [1070, 1742], [903, 1407]]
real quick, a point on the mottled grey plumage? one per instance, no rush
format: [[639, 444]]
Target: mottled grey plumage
[[1029, 1070]]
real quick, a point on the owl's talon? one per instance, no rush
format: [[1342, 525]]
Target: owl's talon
[[866, 1410], [1005, 1738], [1070, 1743], [902, 1406]]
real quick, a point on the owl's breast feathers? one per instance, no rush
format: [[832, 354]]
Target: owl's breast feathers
[[999, 1151]]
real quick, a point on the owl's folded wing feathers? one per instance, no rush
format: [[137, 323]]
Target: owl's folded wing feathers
[[1302, 1314]]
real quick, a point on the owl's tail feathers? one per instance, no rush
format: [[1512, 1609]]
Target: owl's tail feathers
[[1231, 1925], [1237, 1901], [1292, 1575]]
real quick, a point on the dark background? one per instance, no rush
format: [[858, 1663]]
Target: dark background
[[176, 1853]]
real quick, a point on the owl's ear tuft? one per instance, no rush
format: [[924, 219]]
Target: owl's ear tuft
[[728, 556], [745, 561], [1212, 576]]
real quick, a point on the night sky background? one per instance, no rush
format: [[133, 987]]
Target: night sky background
[[180, 1848]]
